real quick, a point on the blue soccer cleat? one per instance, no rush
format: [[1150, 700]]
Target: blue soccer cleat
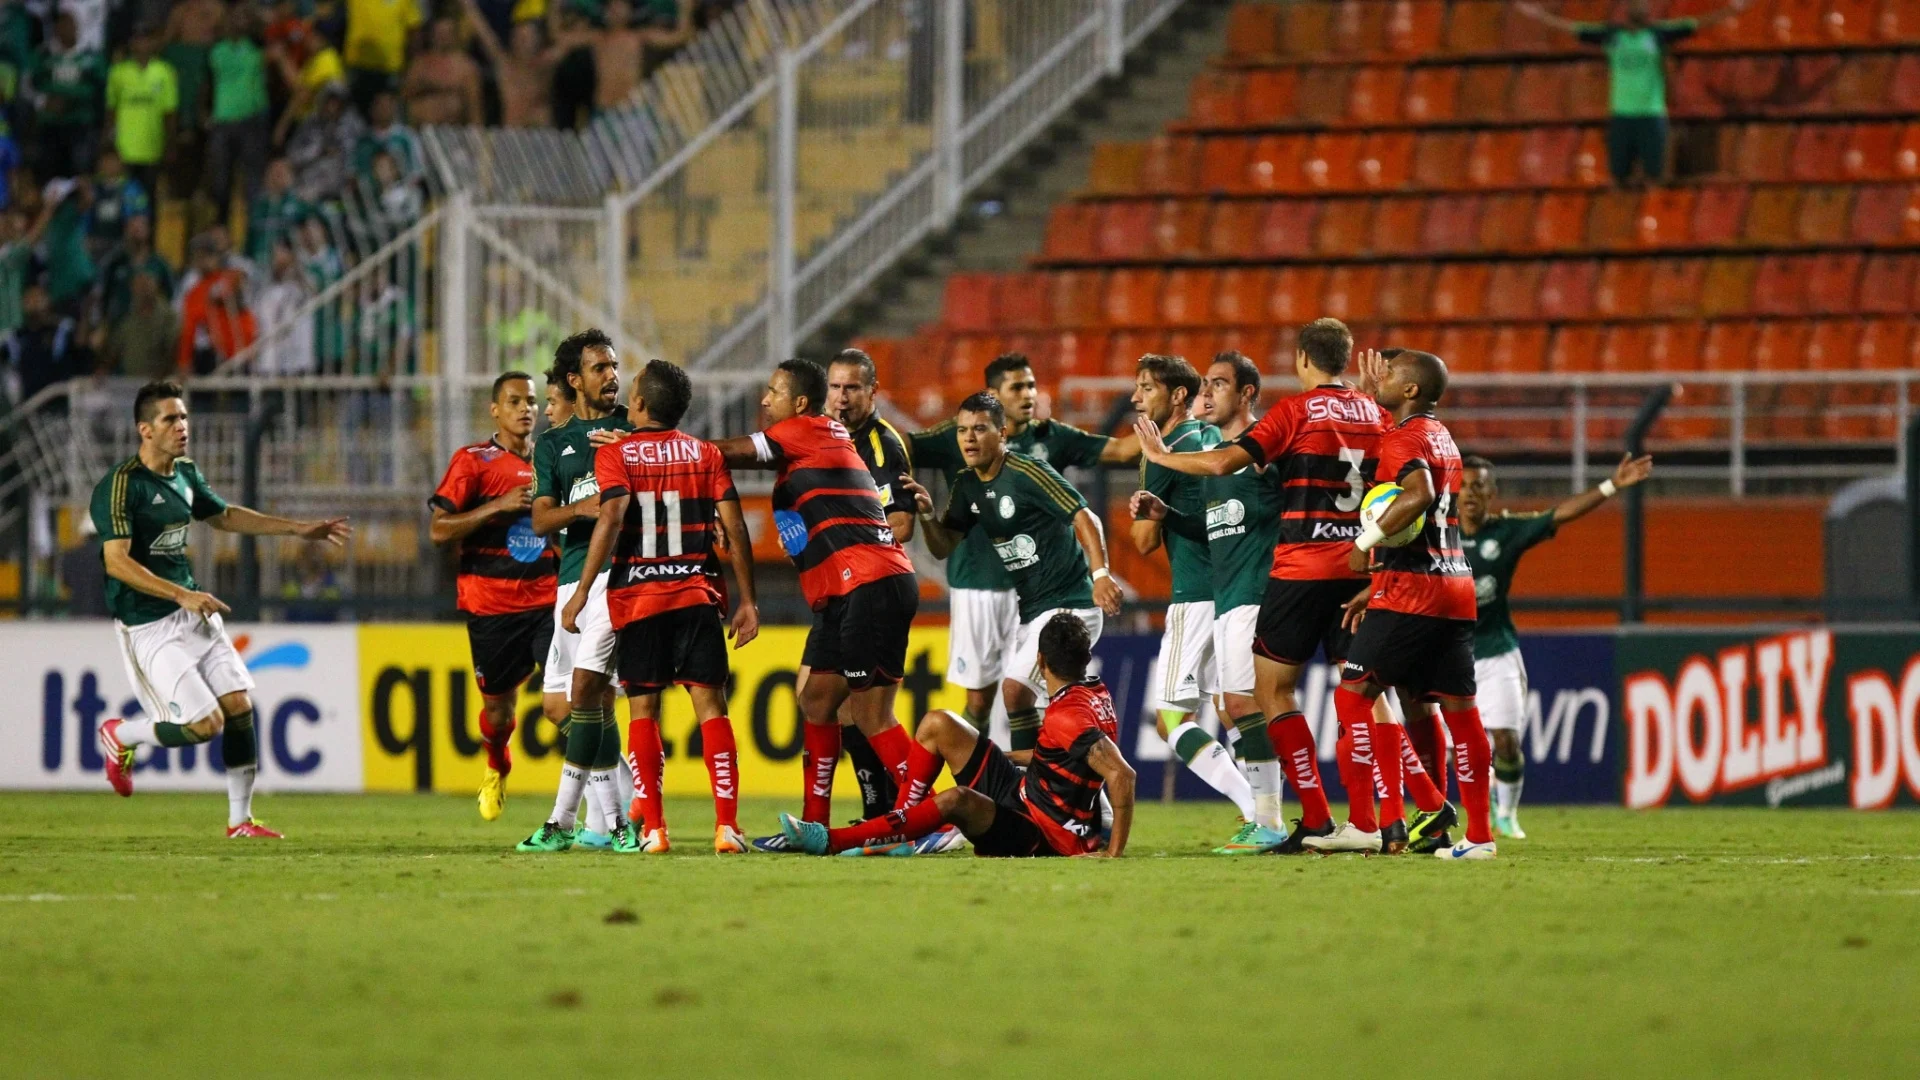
[[807, 836]]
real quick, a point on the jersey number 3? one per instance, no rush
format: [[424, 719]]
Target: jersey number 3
[[1356, 483]]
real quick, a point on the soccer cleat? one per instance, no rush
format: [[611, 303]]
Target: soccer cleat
[[252, 829], [119, 758], [1346, 838], [1393, 838], [1296, 840], [653, 841], [938, 841], [899, 850], [1253, 838], [493, 794], [728, 841], [776, 844], [548, 837], [1509, 825], [1467, 849], [1430, 825], [623, 839], [807, 836], [593, 841], [1427, 845]]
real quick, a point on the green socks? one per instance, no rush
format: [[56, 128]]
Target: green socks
[[175, 735], [1024, 728], [238, 747], [1255, 743]]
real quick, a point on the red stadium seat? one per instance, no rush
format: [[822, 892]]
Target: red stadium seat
[[1624, 288], [1398, 224], [1880, 344], [1566, 289], [1178, 226], [1240, 296], [1440, 160], [1405, 291], [1076, 297], [1871, 151], [1453, 223], [1020, 302], [1850, 22], [1233, 229], [1483, 91], [1674, 346], [1822, 219], [1904, 93], [1799, 22], [1295, 294], [1834, 345], [1460, 291], [1269, 96], [1513, 291], [1748, 29], [1761, 151], [1898, 22], [1770, 217], [1359, 28], [1321, 99], [1071, 229], [1213, 101], [1588, 90], [1906, 160], [1386, 158], [1079, 352], [1880, 214], [1676, 287], [1116, 168], [1539, 91], [1253, 32], [1780, 285], [1663, 218], [1304, 28], [1864, 85], [1257, 343], [1187, 299], [1133, 298], [1273, 163], [1332, 162], [1414, 27], [1887, 284], [1590, 159], [1223, 164], [1351, 291], [1196, 346], [1171, 166], [1719, 213], [1819, 152], [1506, 224], [967, 355], [1729, 346], [1518, 350], [1493, 160], [1562, 221], [1524, 36], [1288, 227], [1475, 27], [968, 302], [1465, 348], [1432, 94], [1575, 348], [1126, 347], [1728, 289], [1613, 220], [1373, 97], [1124, 230], [1691, 90], [1546, 155], [1624, 348]]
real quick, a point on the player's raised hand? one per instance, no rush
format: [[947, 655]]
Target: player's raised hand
[[744, 626], [570, 615], [1372, 369], [205, 605], [516, 501], [1147, 506], [1106, 594], [604, 437], [1152, 446], [1632, 470], [922, 500], [333, 530]]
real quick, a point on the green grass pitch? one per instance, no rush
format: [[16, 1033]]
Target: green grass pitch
[[399, 936]]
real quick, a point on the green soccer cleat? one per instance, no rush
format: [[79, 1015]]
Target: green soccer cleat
[[1252, 839], [625, 839], [548, 837], [1427, 826], [807, 836], [1509, 825]]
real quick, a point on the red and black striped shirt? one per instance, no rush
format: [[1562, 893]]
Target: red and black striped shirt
[[1430, 575], [1321, 444], [825, 481], [673, 482], [504, 566], [1061, 789]]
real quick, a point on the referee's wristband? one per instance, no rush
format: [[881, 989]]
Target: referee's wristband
[[1608, 488], [1370, 537]]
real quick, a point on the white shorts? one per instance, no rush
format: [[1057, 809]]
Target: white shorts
[[1500, 691], [181, 666], [986, 623], [1024, 664], [1187, 672], [591, 648], [1233, 649]]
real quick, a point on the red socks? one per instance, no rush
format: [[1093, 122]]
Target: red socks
[[923, 768], [1418, 784], [1355, 756], [723, 765], [820, 756], [1474, 760], [1387, 745], [891, 745], [1428, 744], [499, 753], [1294, 744], [647, 759], [895, 828]]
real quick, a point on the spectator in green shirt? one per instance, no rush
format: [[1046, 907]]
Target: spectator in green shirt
[[1636, 62], [142, 100], [275, 213], [17, 239], [69, 81], [238, 125], [69, 267], [133, 256], [117, 199]]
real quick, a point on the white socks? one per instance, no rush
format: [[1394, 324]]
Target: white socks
[[1506, 796], [1264, 778], [1213, 763], [566, 804], [240, 794], [135, 732], [603, 800]]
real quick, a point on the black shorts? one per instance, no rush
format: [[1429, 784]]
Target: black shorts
[[1422, 654], [1297, 617], [862, 635], [687, 646], [1013, 835], [507, 648]]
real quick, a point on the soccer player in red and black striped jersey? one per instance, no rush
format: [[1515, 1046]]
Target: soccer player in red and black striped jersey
[[507, 571], [660, 494], [853, 573], [1053, 809], [1417, 632]]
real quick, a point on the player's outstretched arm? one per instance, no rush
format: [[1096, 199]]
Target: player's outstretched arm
[[1113, 768], [448, 527], [240, 519], [744, 453], [121, 566], [745, 624], [1218, 461], [940, 539], [1124, 450], [606, 529], [1725, 13], [1542, 15], [1086, 529], [1631, 470]]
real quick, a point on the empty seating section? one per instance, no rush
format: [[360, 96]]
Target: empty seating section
[[1434, 172]]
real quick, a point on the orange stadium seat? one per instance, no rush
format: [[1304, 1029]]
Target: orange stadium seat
[[1624, 288], [1676, 287], [1071, 231], [1748, 29], [1359, 28], [1759, 151], [1834, 345], [968, 302], [1904, 93], [1233, 229], [1561, 224], [1078, 352], [1453, 223], [1625, 348], [1691, 92], [1253, 32], [1178, 225], [1397, 225], [1898, 22], [1287, 229], [1304, 28], [1613, 219], [1465, 348], [1126, 347], [1020, 302], [1484, 91], [1587, 91], [1729, 345], [1240, 296], [1833, 282], [1546, 155], [1255, 342], [1373, 97], [1879, 214], [1351, 290], [967, 355], [1493, 159], [1460, 291], [1906, 160], [1518, 350], [1823, 214], [1575, 348], [1475, 27], [1294, 295], [1663, 217], [1133, 298], [1332, 162], [1566, 289], [1864, 85], [1123, 230], [1728, 288], [1850, 22], [1871, 150], [1213, 101], [1273, 163], [1770, 217], [1268, 96], [1440, 160], [1386, 157], [1539, 91], [1788, 410], [1414, 27], [1887, 284], [1171, 165], [1506, 222], [1513, 290], [1780, 285], [1197, 346], [1223, 164], [1321, 98], [1187, 299], [1343, 228], [1879, 344], [1405, 291], [1076, 297], [1819, 151], [1431, 94], [1590, 159], [1115, 169], [1674, 346], [1719, 212]]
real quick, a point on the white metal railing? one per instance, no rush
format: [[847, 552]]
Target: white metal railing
[[1719, 421]]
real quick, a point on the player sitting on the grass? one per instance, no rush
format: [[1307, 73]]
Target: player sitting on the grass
[[1494, 544], [191, 682], [1164, 389], [506, 579], [1052, 809], [1417, 633], [660, 491]]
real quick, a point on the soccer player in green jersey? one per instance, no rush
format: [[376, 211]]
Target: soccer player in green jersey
[[191, 682], [566, 500], [985, 612], [1044, 535], [1494, 544], [1164, 389]]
